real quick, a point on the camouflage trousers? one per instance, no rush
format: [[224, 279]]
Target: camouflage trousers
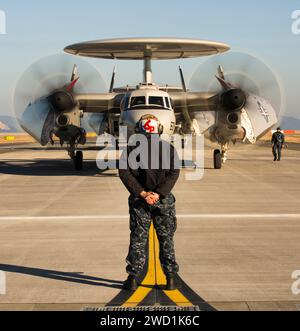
[[277, 148], [163, 215]]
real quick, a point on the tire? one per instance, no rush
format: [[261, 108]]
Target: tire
[[78, 161], [217, 159]]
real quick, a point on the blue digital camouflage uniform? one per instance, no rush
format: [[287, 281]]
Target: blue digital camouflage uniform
[[278, 141], [164, 219], [163, 213]]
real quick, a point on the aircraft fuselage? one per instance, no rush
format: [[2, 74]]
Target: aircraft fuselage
[[147, 100]]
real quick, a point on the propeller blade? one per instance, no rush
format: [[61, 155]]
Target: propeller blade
[[112, 83], [72, 84], [74, 73], [243, 71], [221, 72], [32, 103], [182, 80], [224, 84]]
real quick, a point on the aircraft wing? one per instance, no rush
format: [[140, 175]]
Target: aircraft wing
[[196, 109], [194, 101], [98, 103]]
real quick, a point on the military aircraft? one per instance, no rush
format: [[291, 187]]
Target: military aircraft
[[231, 114]]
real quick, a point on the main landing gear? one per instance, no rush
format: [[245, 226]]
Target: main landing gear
[[217, 159], [76, 156], [220, 156]]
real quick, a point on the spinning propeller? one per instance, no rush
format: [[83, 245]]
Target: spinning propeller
[[243, 72], [44, 95]]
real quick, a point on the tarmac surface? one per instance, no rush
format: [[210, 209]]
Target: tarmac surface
[[64, 234]]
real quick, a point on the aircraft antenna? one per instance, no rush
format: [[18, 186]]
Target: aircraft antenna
[[182, 80]]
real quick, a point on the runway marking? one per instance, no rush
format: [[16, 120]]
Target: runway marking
[[141, 293], [152, 288], [138, 296], [117, 217], [161, 280]]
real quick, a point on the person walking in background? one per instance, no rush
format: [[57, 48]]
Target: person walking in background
[[278, 142]]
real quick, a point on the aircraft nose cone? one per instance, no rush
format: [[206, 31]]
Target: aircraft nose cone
[[165, 117]]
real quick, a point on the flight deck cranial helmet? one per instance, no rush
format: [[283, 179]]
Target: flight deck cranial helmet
[[149, 124]]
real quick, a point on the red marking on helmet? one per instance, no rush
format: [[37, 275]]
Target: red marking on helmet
[[149, 127]]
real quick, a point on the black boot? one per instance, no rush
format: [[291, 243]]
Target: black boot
[[130, 283], [171, 283]]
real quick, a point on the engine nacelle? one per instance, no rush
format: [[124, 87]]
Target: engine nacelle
[[63, 101], [40, 119], [233, 100]]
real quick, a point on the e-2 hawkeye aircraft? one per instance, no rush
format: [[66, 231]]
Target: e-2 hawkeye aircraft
[[229, 115]]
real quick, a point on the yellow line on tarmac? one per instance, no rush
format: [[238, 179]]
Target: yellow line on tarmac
[[149, 281], [139, 295], [161, 279], [150, 278], [155, 276], [176, 296]]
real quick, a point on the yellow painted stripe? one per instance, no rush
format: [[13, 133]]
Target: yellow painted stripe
[[155, 275], [150, 276], [177, 297], [91, 135], [138, 296], [161, 280], [9, 138], [141, 293]]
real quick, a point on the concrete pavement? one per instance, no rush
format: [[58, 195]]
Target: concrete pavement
[[64, 234]]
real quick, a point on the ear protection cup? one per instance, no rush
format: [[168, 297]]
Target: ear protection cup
[[160, 129]]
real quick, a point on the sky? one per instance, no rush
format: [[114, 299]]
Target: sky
[[35, 29]]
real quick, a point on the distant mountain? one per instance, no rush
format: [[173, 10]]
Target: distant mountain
[[290, 123], [3, 127], [9, 124]]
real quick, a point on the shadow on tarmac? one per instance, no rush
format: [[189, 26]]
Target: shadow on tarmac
[[74, 277], [59, 167], [50, 167]]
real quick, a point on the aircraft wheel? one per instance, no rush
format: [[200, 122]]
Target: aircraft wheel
[[78, 160], [217, 159]]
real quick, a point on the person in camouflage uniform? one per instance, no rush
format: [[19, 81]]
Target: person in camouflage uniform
[[151, 200], [163, 214], [278, 142]]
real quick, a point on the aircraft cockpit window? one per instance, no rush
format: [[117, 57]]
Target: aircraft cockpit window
[[167, 102], [125, 102], [158, 101], [137, 101]]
